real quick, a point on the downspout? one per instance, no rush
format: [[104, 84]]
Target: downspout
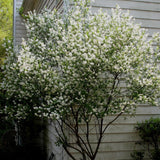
[[17, 137], [14, 22], [66, 6]]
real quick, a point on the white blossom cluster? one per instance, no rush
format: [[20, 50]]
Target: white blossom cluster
[[92, 64]]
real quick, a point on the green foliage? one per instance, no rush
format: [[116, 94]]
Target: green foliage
[[149, 131], [6, 18], [137, 155], [5, 46], [6, 22], [21, 12]]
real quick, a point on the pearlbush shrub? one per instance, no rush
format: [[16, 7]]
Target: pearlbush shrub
[[81, 66]]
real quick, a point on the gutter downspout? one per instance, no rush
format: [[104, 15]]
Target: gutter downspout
[[14, 21], [17, 137], [66, 6]]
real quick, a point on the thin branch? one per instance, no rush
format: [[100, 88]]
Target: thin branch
[[87, 137], [99, 140], [69, 153], [112, 90], [63, 139], [114, 119], [79, 139], [66, 144]]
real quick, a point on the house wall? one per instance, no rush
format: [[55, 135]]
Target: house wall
[[119, 140]]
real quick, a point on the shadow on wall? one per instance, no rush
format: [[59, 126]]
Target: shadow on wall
[[31, 147]]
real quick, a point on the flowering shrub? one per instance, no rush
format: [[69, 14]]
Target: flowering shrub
[[81, 66]]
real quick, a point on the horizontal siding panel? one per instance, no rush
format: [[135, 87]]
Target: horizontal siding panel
[[145, 14], [149, 23], [121, 155], [127, 5], [125, 137], [21, 34], [146, 1], [148, 110], [21, 29], [133, 119], [151, 31], [115, 128], [135, 13], [111, 138], [118, 147], [130, 120], [19, 18]]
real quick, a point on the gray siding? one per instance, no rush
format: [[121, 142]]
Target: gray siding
[[146, 12]]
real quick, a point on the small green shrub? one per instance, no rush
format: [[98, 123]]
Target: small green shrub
[[149, 131], [137, 155]]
